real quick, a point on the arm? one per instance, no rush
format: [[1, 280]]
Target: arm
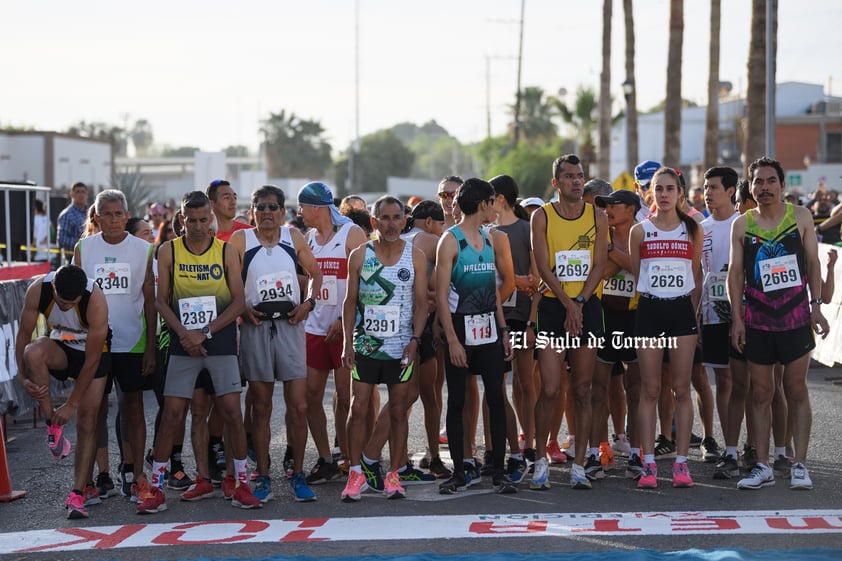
[[419, 320], [698, 278], [736, 283], [834, 221], [28, 321], [349, 306], [162, 300], [600, 256], [503, 263], [829, 283], [619, 259], [635, 239], [541, 253], [233, 276], [356, 238], [814, 273], [238, 242], [308, 263], [150, 316], [445, 257]]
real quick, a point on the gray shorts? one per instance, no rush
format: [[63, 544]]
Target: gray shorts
[[268, 354], [182, 372]]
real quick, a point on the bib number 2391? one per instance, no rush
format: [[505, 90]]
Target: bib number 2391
[[480, 329]]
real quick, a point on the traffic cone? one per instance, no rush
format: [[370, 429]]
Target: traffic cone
[[6, 492]]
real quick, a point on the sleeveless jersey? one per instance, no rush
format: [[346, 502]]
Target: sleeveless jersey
[[473, 286], [269, 273], [69, 327], [333, 262], [410, 237], [226, 235], [571, 244], [120, 270], [619, 292], [200, 294], [716, 254], [518, 304], [775, 280], [666, 262], [385, 305]]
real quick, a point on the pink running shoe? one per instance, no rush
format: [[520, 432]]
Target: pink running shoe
[[58, 445], [75, 505], [355, 487], [681, 475], [649, 477], [554, 453], [392, 486]]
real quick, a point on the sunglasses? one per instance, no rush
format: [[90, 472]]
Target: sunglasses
[[446, 194], [260, 207]]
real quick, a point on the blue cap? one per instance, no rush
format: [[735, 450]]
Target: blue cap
[[644, 171], [316, 193]]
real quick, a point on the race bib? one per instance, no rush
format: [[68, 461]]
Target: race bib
[[275, 287], [197, 312], [382, 321], [113, 278], [621, 284], [780, 272], [717, 283], [327, 295], [667, 278], [480, 329], [511, 301], [572, 265]]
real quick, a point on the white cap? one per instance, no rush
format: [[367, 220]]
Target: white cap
[[531, 201]]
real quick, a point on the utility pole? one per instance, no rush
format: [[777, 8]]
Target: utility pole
[[516, 135]]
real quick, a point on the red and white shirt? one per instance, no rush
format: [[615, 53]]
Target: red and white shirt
[[666, 262]]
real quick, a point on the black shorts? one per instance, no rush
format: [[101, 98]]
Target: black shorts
[[552, 313], [75, 361], [697, 356], [665, 318], [771, 347], [617, 322], [427, 348], [126, 369], [482, 360], [717, 349], [375, 371]]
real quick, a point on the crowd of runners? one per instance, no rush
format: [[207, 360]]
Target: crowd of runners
[[606, 306]]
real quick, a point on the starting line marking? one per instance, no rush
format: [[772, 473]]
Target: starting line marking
[[296, 530]]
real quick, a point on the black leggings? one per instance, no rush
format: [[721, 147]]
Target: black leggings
[[486, 361]]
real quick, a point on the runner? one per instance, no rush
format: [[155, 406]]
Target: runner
[[774, 257], [76, 348], [384, 314]]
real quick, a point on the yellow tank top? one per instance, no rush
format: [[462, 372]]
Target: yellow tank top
[[571, 246]]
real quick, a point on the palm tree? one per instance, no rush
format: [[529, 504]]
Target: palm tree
[[672, 107], [631, 96], [755, 130], [535, 122], [604, 166], [581, 117], [711, 155]]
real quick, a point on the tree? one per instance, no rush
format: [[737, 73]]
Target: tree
[[755, 130], [294, 147], [632, 158], [179, 152], [382, 154], [113, 134], [530, 167], [604, 161], [672, 106], [237, 151], [581, 118], [535, 123], [141, 136], [711, 154]]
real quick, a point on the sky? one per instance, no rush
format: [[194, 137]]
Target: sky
[[204, 73]]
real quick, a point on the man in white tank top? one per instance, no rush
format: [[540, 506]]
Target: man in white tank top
[[331, 239]]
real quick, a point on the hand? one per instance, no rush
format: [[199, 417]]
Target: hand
[[530, 338], [348, 357], [192, 342], [508, 352], [63, 414], [299, 313], [410, 352], [820, 325], [334, 332], [37, 392], [458, 357], [252, 316], [573, 323], [831, 258], [738, 334], [148, 365]]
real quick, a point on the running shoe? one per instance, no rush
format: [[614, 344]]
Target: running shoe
[[178, 480], [516, 469], [152, 501], [606, 457], [621, 445], [75, 505], [529, 454], [454, 484], [201, 489], [799, 479], [593, 469], [392, 487], [487, 468], [57, 443], [373, 474], [541, 477], [579, 479], [215, 474], [782, 466], [438, 468], [472, 474], [355, 487], [726, 468], [502, 485], [424, 463], [649, 478], [681, 475], [105, 486], [300, 489], [695, 440], [218, 456], [289, 463], [443, 436], [229, 485], [139, 489], [263, 489], [569, 447], [322, 472], [749, 457], [664, 448], [244, 498], [760, 476], [554, 453], [710, 449], [634, 467], [91, 494], [412, 476]]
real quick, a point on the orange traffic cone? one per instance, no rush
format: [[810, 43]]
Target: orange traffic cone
[[6, 492]]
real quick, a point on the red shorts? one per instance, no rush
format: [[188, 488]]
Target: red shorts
[[321, 355]]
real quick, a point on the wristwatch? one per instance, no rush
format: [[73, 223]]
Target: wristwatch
[[531, 324], [579, 299], [416, 339], [816, 301], [312, 303], [610, 247], [207, 332]]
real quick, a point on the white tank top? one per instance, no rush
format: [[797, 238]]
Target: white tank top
[[119, 269], [666, 262], [269, 273], [333, 262], [716, 254]]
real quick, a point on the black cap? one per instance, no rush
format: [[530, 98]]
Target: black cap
[[620, 197]]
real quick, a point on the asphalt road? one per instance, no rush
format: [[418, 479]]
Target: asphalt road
[[47, 483]]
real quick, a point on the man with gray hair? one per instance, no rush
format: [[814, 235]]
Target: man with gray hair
[[121, 264], [596, 188]]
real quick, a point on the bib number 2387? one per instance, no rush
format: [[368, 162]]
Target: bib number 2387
[[480, 329], [195, 313]]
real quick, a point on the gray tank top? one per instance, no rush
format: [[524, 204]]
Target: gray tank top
[[517, 307]]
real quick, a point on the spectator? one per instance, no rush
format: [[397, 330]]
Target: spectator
[[71, 221], [41, 232], [352, 202]]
